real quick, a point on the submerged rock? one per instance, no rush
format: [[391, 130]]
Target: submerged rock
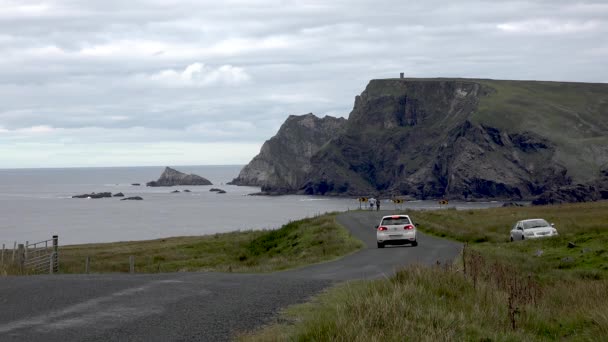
[[120, 194], [175, 191], [134, 198], [135, 184]]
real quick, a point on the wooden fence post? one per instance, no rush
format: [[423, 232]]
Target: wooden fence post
[[51, 263], [87, 265], [21, 256], [55, 253], [131, 264]]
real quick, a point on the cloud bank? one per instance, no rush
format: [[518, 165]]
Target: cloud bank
[[185, 75]]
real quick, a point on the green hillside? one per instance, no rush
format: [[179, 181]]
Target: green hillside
[[572, 115]]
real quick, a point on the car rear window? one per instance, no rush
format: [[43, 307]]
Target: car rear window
[[391, 221], [535, 224]]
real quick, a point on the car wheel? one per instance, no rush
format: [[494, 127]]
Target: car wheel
[[380, 245], [415, 243]]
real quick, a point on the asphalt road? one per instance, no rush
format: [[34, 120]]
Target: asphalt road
[[190, 306]]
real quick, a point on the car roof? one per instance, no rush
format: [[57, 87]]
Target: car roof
[[392, 216], [526, 220]]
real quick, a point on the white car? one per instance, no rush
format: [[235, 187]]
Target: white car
[[532, 229], [396, 230]]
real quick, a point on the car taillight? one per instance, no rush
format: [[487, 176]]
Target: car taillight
[[382, 228], [408, 227]]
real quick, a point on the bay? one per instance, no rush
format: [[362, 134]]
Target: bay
[[36, 204]]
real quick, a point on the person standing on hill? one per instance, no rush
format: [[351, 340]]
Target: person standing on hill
[[378, 204]]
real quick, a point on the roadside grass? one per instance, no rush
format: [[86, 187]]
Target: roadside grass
[[495, 291], [584, 224], [297, 243]]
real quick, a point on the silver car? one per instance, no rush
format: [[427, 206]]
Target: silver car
[[396, 230], [532, 229]]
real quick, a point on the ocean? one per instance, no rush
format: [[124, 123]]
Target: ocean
[[36, 204]]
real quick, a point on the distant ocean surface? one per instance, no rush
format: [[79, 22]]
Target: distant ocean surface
[[36, 204]]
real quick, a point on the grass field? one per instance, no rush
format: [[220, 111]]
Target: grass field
[[298, 243], [496, 291]]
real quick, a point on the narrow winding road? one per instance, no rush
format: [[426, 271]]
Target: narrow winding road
[[190, 306]]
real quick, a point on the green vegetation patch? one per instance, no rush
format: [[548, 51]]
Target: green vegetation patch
[[296, 244], [583, 224], [440, 304], [495, 291]]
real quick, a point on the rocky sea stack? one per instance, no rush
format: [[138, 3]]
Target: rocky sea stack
[[172, 177], [443, 138]]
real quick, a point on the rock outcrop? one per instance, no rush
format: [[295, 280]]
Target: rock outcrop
[[284, 161], [94, 195], [443, 138], [589, 192], [172, 177], [133, 198]]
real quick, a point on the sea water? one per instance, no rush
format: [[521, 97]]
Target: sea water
[[37, 203]]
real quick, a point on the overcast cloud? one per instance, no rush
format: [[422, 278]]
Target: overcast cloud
[[105, 83]]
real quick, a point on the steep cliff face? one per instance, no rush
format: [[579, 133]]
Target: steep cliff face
[[284, 160], [431, 138]]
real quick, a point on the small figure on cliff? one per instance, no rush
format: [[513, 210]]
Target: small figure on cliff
[[378, 204]]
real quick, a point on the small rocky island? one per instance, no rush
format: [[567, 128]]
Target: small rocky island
[[94, 195], [172, 177], [133, 198]]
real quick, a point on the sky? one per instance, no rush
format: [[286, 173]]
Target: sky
[[130, 83]]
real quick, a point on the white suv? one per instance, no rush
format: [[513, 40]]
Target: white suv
[[396, 230]]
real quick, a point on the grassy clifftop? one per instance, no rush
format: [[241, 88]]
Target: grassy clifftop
[[574, 116]]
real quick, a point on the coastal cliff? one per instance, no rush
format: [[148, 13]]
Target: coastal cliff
[[285, 160], [453, 138]]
